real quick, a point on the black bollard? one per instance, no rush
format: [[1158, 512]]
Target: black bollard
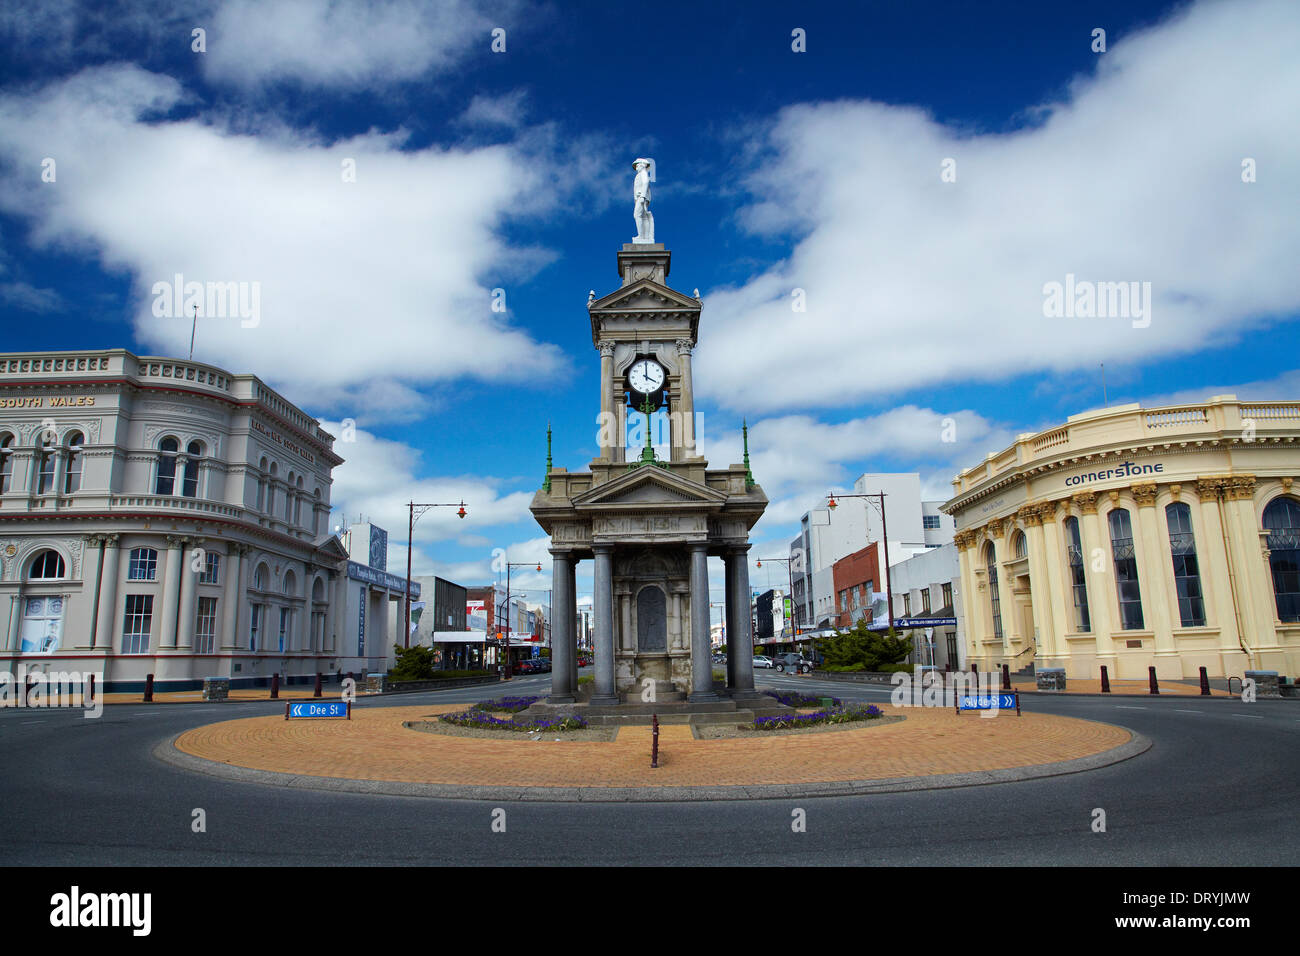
[[654, 742], [317, 694], [1105, 680], [1205, 683], [148, 689], [275, 686], [1155, 687], [1006, 677]]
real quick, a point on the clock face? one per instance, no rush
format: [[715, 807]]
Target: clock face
[[646, 377]]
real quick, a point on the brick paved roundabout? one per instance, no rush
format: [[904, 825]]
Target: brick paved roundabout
[[374, 753]]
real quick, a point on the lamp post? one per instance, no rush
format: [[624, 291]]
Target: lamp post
[[884, 534], [410, 531], [505, 673]]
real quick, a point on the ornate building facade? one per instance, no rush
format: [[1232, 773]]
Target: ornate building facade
[[1132, 537], [162, 517]]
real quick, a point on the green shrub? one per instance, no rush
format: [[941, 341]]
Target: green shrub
[[413, 663], [586, 679]]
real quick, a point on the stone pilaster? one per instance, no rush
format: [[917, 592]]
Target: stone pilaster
[[562, 611], [603, 625]]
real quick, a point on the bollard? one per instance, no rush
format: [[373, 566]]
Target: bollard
[[148, 689], [947, 667], [1205, 683], [275, 686], [1155, 687], [1105, 680], [92, 689], [1006, 677], [654, 742], [317, 694]]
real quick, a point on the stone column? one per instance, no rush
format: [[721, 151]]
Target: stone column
[[15, 619], [571, 640], [95, 546], [686, 403], [170, 591], [1155, 567], [620, 427], [729, 618], [327, 636], [603, 624], [701, 659], [231, 597], [1040, 591], [1060, 589], [189, 589], [739, 558], [1252, 573], [106, 613], [607, 417], [626, 638], [1103, 599], [562, 686]]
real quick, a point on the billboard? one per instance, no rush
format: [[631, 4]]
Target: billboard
[[378, 548], [476, 615]]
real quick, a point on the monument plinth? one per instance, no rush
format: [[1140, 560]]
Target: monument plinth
[[650, 525]]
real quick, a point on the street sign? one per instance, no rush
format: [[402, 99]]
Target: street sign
[[989, 702], [318, 708]]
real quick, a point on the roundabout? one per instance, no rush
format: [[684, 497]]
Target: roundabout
[[382, 751]]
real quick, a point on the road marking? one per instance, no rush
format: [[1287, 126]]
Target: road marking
[[1125, 707], [1187, 711], [1251, 716]]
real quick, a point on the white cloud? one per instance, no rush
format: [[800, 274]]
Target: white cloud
[[507, 110], [368, 289], [1136, 177]]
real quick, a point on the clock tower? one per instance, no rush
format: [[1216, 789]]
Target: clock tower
[[650, 524]]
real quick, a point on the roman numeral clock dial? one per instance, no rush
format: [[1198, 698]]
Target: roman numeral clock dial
[[646, 377]]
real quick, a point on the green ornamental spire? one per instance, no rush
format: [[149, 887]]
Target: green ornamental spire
[[749, 475], [546, 482]]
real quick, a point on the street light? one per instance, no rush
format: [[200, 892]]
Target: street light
[[523, 564], [410, 531], [884, 534]]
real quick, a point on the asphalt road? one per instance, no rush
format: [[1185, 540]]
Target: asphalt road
[[1219, 787]]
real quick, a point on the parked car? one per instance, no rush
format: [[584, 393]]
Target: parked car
[[524, 667], [761, 661], [542, 665], [793, 663]]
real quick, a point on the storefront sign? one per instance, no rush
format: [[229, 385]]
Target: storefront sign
[[1126, 470]]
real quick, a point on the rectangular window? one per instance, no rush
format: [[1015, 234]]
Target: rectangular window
[[143, 565], [925, 600], [931, 522], [47, 473], [907, 605], [137, 623], [952, 650], [211, 568], [256, 618], [1187, 578], [1078, 583], [1127, 586], [284, 626], [205, 626], [947, 598]]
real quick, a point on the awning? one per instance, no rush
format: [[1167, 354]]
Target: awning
[[459, 637], [944, 617]]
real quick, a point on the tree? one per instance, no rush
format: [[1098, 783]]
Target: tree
[[413, 663], [862, 649]]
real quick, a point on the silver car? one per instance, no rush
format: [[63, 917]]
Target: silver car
[[761, 661]]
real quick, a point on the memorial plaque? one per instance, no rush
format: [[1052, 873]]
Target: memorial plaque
[[651, 620]]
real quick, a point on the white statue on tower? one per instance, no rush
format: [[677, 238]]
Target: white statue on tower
[[645, 221]]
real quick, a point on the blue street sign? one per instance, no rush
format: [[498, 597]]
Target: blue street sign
[[988, 702], [318, 708]]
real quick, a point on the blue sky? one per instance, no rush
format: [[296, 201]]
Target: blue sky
[[777, 170]]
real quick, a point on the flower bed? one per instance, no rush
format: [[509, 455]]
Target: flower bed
[[792, 698], [485, 721], [506, 705], [835, 715]]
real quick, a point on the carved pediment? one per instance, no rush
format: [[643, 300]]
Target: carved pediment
[[644, 295], [649, 488]]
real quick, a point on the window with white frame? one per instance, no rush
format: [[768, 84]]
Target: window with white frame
[[211, 568], [143, 565], [205, 626], [137, 623]]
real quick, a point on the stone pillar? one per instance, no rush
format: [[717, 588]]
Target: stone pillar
[[15, 619], [106, 613], [94, 546], [562, 611], [626, 641], [1103, 599], [189, 589], [231, 597], [739, 594], [1258, 607], [607, 417], [603, 624], [729, 618], [1040, 592], [1060, 589], [620, 427], [572, 638], [1155, 567], [701, 659], [686, 403], [170, 592]]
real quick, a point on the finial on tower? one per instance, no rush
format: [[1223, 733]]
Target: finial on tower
[[749, 475], [546, 482], [645, 222]]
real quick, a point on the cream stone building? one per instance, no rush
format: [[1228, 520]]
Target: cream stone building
[[162, 517], [1133, 537]]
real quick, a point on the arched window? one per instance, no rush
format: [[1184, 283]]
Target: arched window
[[143, 565], [259, 578], [6, 462], [72, 475], [288, 499], [316, 514], [1187, 577], [1078, 580], [994, 600], [1282, 522], [1022, 546], [261, 487], [286, 613], [46, 566], [166, 483], [190, 480], [1126, 574]]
